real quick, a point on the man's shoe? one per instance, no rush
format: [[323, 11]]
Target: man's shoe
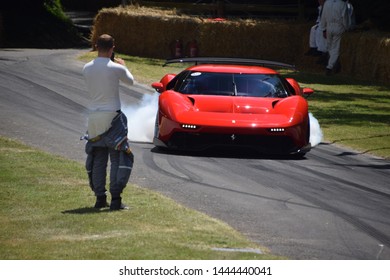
[[101, 202], [328, 72], [116, 204]]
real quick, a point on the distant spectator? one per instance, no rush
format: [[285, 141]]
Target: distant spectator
[[351, 15], [334, 22], [317, 42]]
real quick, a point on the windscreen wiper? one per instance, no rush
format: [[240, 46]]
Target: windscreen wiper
[[234, 87]]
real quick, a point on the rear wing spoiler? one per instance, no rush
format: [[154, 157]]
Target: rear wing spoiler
[[228, 60]]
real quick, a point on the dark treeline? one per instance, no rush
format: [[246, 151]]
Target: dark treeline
[[375, 11], [42, 23]]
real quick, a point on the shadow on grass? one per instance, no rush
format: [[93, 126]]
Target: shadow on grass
[[86, 210], [351, 108], [344, 116], [331, 97], [334, 80], [361, 138], [384, 166]]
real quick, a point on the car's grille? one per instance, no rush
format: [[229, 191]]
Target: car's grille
[[265, 144]]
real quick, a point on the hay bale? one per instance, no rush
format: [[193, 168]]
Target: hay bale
[[151, 33], [252, 39], [366, 55], [144, 32]]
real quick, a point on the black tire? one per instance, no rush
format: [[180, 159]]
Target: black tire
[[301, 155]]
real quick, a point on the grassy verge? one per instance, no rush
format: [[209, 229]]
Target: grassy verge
[[46, 213], [350, 112]]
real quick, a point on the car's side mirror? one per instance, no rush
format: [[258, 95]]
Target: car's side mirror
[[307, 91], [159, 87]]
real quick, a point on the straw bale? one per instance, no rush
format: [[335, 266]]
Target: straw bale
[[366, 55], [265, 40], [143, 33], [152, 32], [148, 32]]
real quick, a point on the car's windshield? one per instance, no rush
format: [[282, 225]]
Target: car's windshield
[[255, 85]]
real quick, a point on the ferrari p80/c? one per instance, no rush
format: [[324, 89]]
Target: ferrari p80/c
[[232, 102]]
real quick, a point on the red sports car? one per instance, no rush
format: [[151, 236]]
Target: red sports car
[[232, 102]]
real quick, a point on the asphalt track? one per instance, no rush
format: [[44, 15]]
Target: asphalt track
[[334, 204]]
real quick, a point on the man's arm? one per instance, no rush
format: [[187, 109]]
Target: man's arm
[[126, 76]]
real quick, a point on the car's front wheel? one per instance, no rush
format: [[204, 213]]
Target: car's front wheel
[[301, 154]]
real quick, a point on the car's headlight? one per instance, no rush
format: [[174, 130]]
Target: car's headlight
[[189, 126], [276, 129]]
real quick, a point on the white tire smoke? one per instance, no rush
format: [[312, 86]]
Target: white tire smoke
[[141, 118], [315, 131]]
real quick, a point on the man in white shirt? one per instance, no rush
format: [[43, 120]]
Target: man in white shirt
[[102, 77], [334, 22]]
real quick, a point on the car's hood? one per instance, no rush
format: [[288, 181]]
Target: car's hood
[[234, 110], [233, 104]]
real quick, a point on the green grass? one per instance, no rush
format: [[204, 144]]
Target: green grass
[[46, 213], [351, 113]]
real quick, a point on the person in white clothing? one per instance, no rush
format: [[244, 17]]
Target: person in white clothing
[[351, 15], [102, 77], [317, 42], [334, 22]]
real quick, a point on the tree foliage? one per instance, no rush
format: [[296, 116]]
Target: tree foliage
[[42, 23], [37, 23], [376, 11]]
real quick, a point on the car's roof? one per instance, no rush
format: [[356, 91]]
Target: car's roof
[[228, 68]]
